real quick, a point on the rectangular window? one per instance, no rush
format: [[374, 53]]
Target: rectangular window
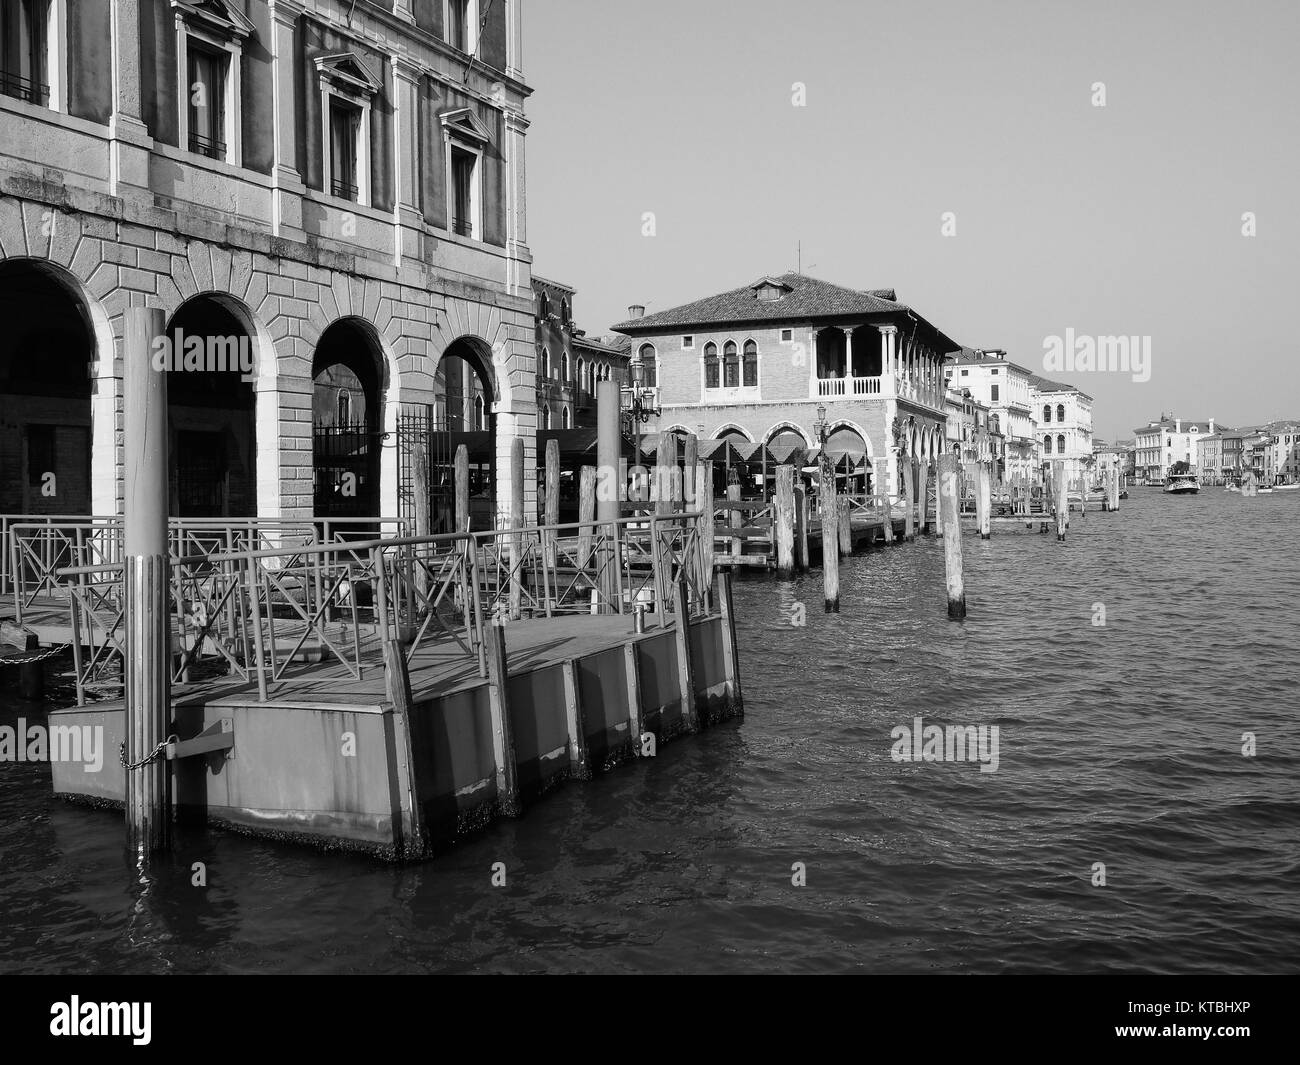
[[995, 392], [965, 373], [463, 165], [461, 25], [345, 122], [207, 100], [711, 373], [23, 63], [688, 343], [787, 335]]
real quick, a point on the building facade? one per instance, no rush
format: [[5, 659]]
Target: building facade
[[1003, 388], [329, 193], [760, 362], [1106, 458], [569, 363], [1165, 441], [1286, 451], [1064, 416]]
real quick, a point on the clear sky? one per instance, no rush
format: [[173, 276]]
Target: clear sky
[[1122, 219]]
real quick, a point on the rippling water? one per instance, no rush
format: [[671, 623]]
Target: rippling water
[[1118, 744]]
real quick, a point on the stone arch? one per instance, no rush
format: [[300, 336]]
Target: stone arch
[[729, 427], [101, 493], [787, 427]]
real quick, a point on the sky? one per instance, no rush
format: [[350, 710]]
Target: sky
[[1122, 219]]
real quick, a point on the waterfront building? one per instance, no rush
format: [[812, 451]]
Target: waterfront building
[[1209, 458], [973, 432], [329, 195], [1285, 451], [1165, 441], [1064, 416], [1002, 386], [758, 363], [1108, 457], [569, 363]]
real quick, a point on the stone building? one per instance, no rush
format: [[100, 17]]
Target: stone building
[[319, 194], [1165, 441], [1003, 387], [759, 363], [1064, 416], [569, 363]]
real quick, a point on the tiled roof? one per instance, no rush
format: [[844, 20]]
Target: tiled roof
[[1043, 384], [1168, 423], [808, 297], [589, 344], [538, 279]]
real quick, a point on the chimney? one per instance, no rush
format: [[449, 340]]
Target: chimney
[[636, 310], [1178, 425], [1211, 426]]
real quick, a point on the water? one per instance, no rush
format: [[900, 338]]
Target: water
[[1118, 744]]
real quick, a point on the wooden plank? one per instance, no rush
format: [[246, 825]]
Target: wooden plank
[[632, 677], [579, 769], [503, 737], [685, 670]]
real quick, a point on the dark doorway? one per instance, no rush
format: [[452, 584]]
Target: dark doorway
[[47, 348]]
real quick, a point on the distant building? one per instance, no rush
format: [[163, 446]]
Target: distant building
[[974, 434], [1003, 387], [1286, 451], [1165, 441], [1064, 416], [1210, 468], [1107, 457], [760, 363]]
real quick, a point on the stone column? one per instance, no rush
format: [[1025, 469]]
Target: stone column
[[287, 185], [129, 140], [848, 357], [518, 281], [408, 222], [888, 341], [812, 364]]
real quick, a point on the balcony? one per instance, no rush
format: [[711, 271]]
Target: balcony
[[831, 387]]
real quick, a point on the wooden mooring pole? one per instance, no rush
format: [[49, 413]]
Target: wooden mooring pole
[[801, 526], [551, 515], [503, 737], [148, 683], [1062, 485], [462, 489], [783, 501], [844, 513], [983, 501], [516, 522], [948, 467], [830, 533], [608, 450]]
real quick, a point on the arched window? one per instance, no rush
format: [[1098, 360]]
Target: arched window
[[478, 413], [730, 365], [568, 421], [544, 308], [711, 379], [546, 417], [651, 368], [995, 426], [751, 364], [583, 383], [1060, 412], [564, 311], [564, 367], [546, 363], [1060, 443], [1047, 445], [1047, 412], [345, 407]]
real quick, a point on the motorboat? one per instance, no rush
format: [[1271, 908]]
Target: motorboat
[[1182, 484]]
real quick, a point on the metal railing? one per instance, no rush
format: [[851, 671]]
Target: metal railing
[[33, 548], [263, 610]]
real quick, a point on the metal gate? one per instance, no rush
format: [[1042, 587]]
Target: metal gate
[[416, 423]]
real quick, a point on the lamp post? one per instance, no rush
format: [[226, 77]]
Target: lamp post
[[638, 407]]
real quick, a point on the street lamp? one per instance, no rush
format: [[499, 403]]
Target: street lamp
[[638, 405], [820, 426]]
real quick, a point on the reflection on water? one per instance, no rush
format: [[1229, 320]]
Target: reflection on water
[[1120, 744]]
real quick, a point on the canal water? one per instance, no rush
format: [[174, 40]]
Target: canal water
[[1120, 745]]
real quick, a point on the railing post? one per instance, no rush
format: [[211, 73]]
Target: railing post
[[252, 582], [730, 649]]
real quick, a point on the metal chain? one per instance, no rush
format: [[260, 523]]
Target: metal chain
[[152, 756], [26, 661]]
